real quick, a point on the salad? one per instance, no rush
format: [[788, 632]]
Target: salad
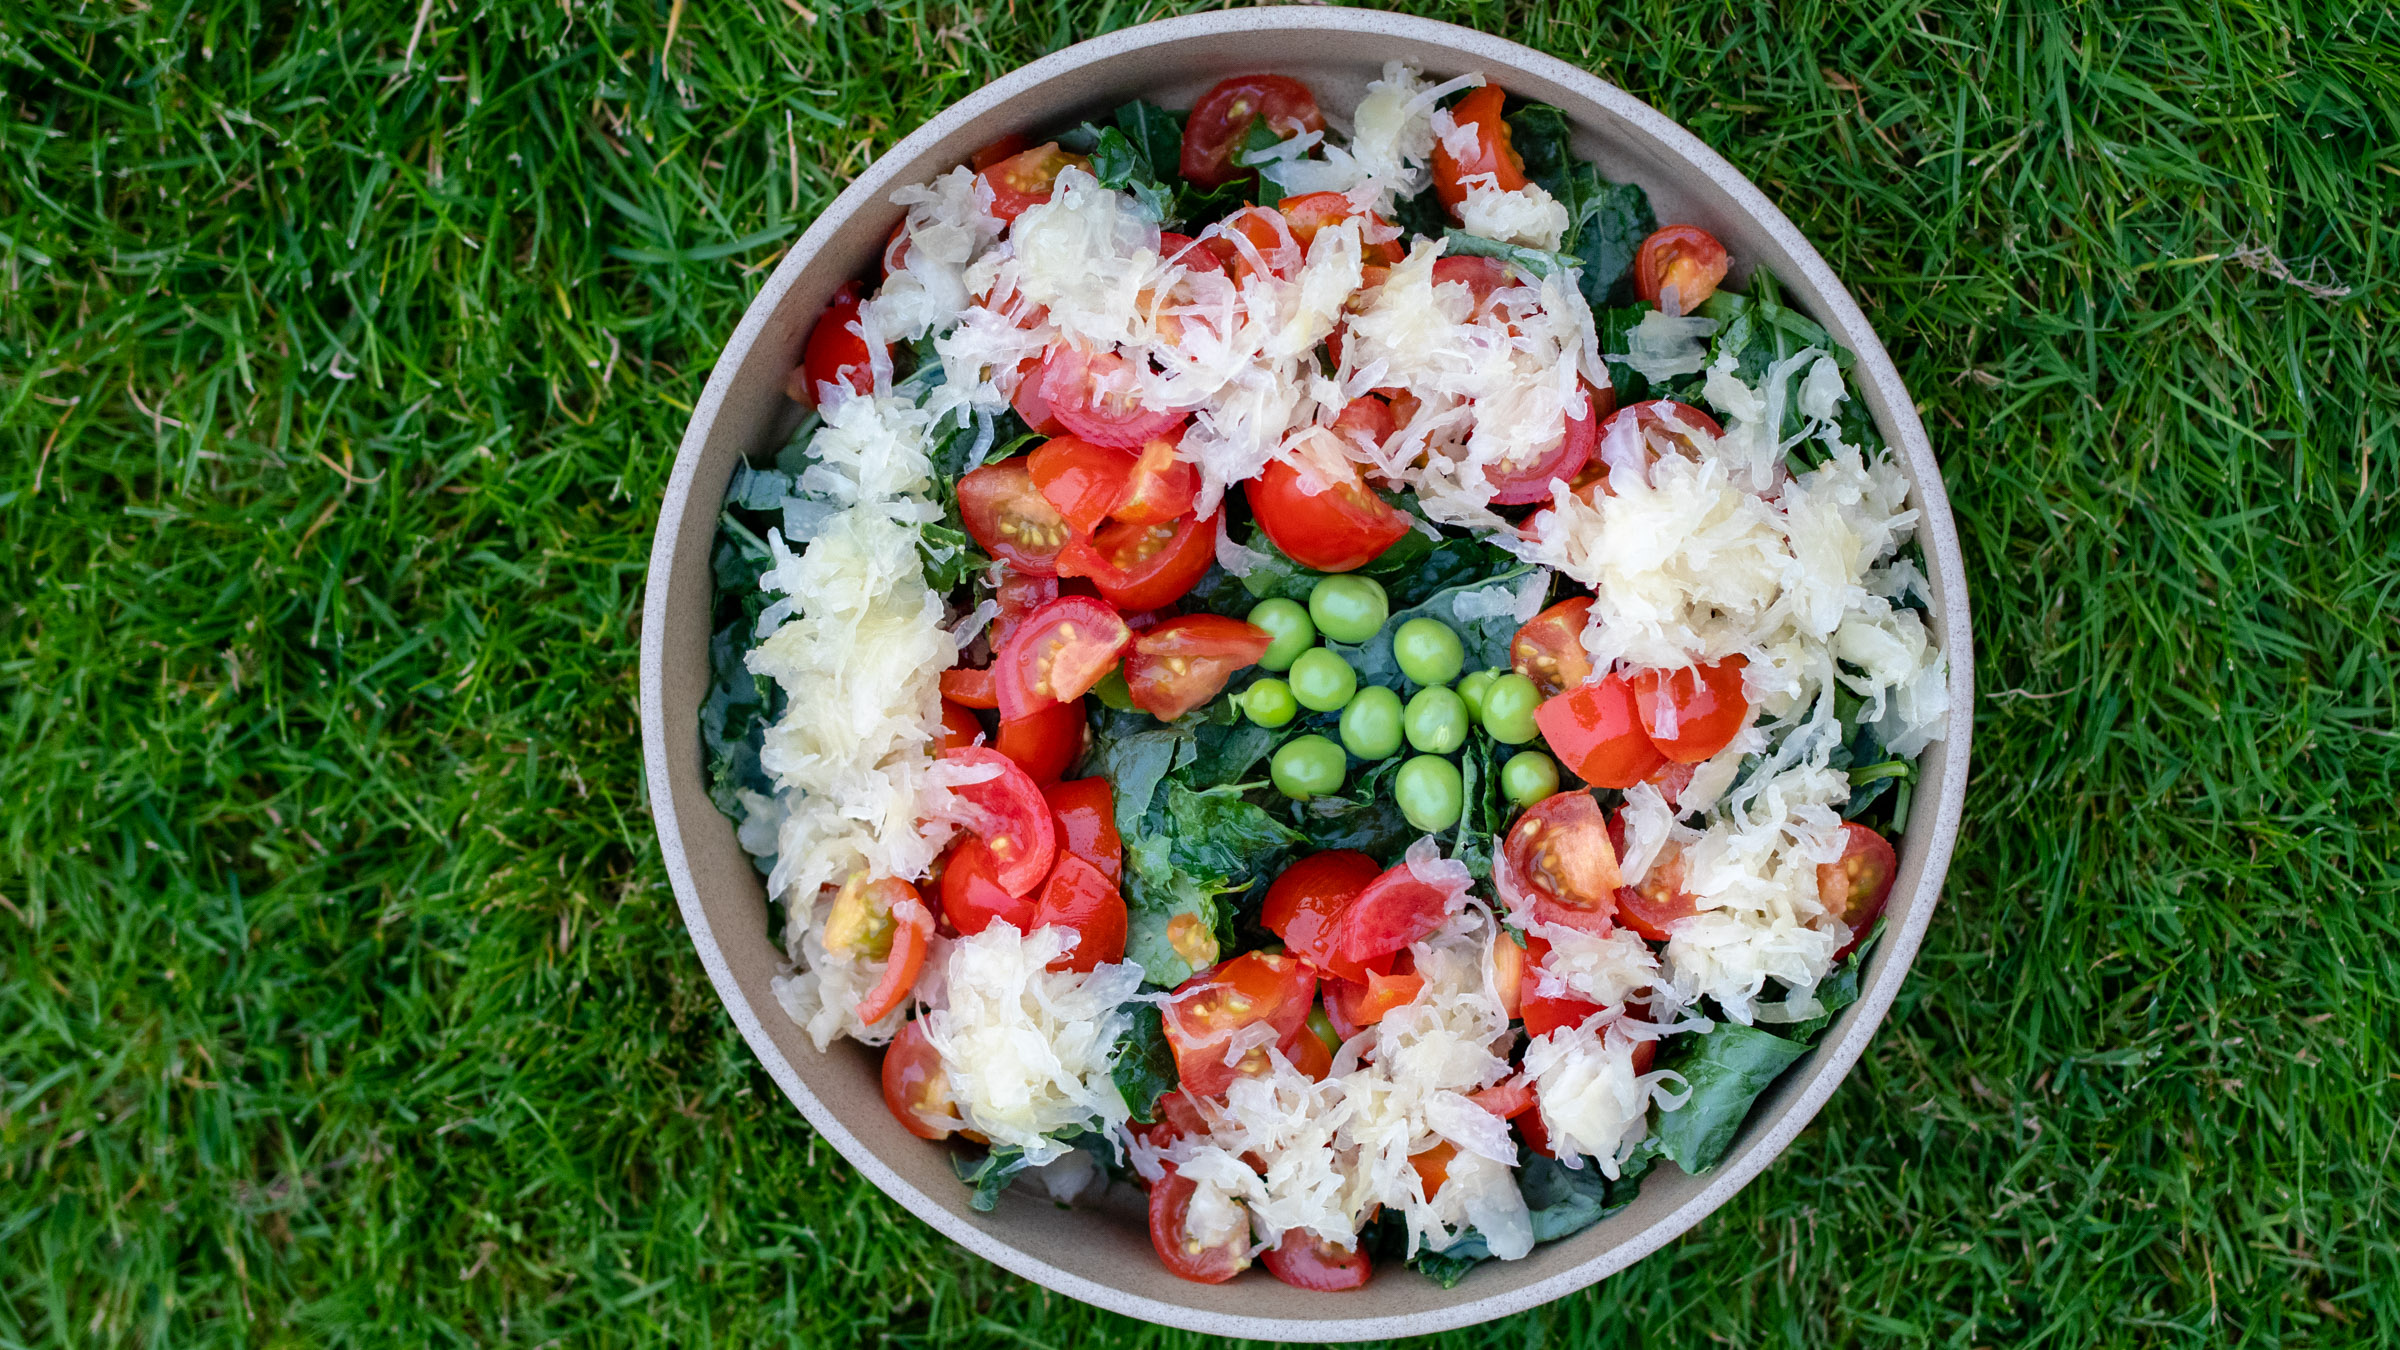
[[1334, 671]]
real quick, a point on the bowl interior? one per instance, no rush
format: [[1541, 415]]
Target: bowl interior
[[1101, 1253]]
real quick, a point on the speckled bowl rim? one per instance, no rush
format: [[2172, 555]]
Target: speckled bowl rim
[[683, 813]]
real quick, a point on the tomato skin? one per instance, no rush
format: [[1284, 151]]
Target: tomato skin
[[1138, 567], [1185, 1258], [1020, 596], [1057, 653], [1494, 154], [1549, 649], [1010, 519], [1311, 212], [1255, 230], [1652, 907], [1685, 257], [1660, 426], [1078, 897], [1181, 664], [1160, 487], [1029, 402], [1483, 277], [833, 354], [1045, 742], [970, 688], [1508, 972], [1311, 1056], [1508, 1099], [1306, 900], [1559, 862], [1366, 416], [1596, 731], [1027, 178], [1396, 910], [960, 730], [1340, 529], [1220, 122], [1707, 704], [1007, 810], [1096, 396], [912, 933], [1353, 1007], [1542, 1013], [1007, 147], [1305, 1261], [1854, 887], [1082, 481], [1531, 482], [972, 897], [1187, 253], [1531, 1130], [1085, 810], [1207, 1009], [915, 1090], [1177, 1119], [1433, 1167]]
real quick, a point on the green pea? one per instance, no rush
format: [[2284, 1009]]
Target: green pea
[[1508, 709], [1268, 703], [1287, 623], [1322, 1026], [1113, 691], [1472, 689], [1371, 723], [1436, 721], [1428, 651], [1308, 766], [1349, 609], [1322, 681], [1430, 793], [1528, 777]]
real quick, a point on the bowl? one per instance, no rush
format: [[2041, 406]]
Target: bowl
[[1101, 1253]]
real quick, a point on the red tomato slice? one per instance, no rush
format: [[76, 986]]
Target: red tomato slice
[[1353, 1007], [1313, 211], [1537, 1138], [1684, 257], [1544, 1014], [972, 896], [1549, 649], [1704, 705], [1652, 907], [833, 354], [1019, 596], [1366, 416], [1595, 731], [1531, 482], [1340, 528], [1007, 147], [970, 688], [1057, 653], [1078, 897], [1220, 122], [1096, 396], [1045, 742], [1086, 815], [1433, 1167], [1255, 239], [1508, 971], [1559, 862], [1483, 277], [1493, 152], [915, 1089], [1007, 810], [911, 933], [1507, 1099], [1303, 1260], [1027, 178], [1160, 488], [1396, 910], [1138, 567], [1309, 1054], [1181, 664], [1010, 519], [1030, 403], [1661, 427], [959, 727], [1207, 1009], [1187, 253], [1177, 1119], [1185, 1256], [1854, 886], [1303, 904], [1081, 479]]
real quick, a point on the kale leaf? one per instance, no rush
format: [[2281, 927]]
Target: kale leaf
[[1143, 1065], [1727, 1070]]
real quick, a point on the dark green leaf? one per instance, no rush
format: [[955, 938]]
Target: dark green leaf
[[1228, 751], [1143, 1064], [1610, 220], [950, 556], [1278, 575], [1156, 136], [1727, 1070], [1157, 892], [988, 1175], [1218, 834]]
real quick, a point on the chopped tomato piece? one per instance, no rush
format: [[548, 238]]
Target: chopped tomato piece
[[1549, 649], [1183, 663], [1080, 479], [1007, 147], [1057, 654], [1353, 1007], [1395, 910], [970, 688], [1160, 488], [1508, 971], [1339, 528], [1303, 1260], [1176, 1119], [1310, 1055], [1203, 1258], [1558, 862], [1854, 886], [1493, 153], [1530, 481], [972, 896], [1086, 814], [834, 352], [1078, 897], [1209, 1008], [1595, 731], [1098, 396], [1313, 211], [1028, 177], [1007, 810], [1692, 713], [1138, 567], [1020, 595], [1433, 1167], [1031, 404], [1483, 277], [1532, 1131], [1219, 124], [1507, 1099], [1255, 239], [1645, 432], [909, 928], [1306, 900], [1684, 259], [959, 727], [1542, 1013], [915, 1088], [1651, 906], [1010, 519], [1366, 416], [1045, 742], [1187, 253]]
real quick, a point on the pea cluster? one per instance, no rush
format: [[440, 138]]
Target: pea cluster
[[1434, 723]]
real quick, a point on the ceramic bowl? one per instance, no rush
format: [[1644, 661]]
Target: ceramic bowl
[[1101, 1253]]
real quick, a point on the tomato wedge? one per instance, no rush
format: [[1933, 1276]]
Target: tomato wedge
[[1596, 731], [970, 688], [1531, 482], [1010, 519], [1508, 971], [1078, 897], [1027, 178], [1306, 900], [1854, 886], [1085, 811], [1652, 907], [1508, 1099], [1080, 479], [1138, 567], [1542, 1013], [1341, 527], [1045, 742], [1220, 123], [834, 353], [911, 932], [1313, 211], [1181, 664], [1493, 154], [1483, 277], [1395, 910], [1206, 1010], [1029, 402], [1160, 487], [1354, 1006], [1549, 649], [1057, 654], [1303, 1260], [959, 727], [972, 896], [915, 1089], [1692, 713], [1559, 863], [1203, 1258], [1309, 1054], [1007, 147], [1683, 258], [1366, 416], [1255, 239], [1660, 427], [1008, 812], [1097, 396]]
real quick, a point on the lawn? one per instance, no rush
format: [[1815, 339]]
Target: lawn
[[343, 351]]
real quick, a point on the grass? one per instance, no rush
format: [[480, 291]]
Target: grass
[[343, 350]]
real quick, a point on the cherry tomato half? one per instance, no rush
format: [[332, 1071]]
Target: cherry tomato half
[[833, 354], [1080, 479], [1027, 178], [1854, 886], [1704, 705], [1366, 416], [1045, 742], [1493, 153], [1303, 1260], [1255, 239], [1008, 812], [1652, 907], [1207, 1009], [1309, 1054], [970, 688], [972, 896], [1160, 487], [1209, 1259], [1549, 649], [1596, 731], [959, 727], [1313, 211], [1138, 567], [1530, 482], [1542, 1013], [1220, 122], [915, 1088], [1558, 860], [1019, 595], [1306, 900], [1353, 1007], [1097, 396], [1086, 814], [1078, 897], [912, 932], [1394, 911], [1031, 404], [1057, 653], [1483, 277], [1684, 257], [1007, 147], [1011, 519], [1661, 427], [1340, 528], [1508, 1099], [1182, 663]]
